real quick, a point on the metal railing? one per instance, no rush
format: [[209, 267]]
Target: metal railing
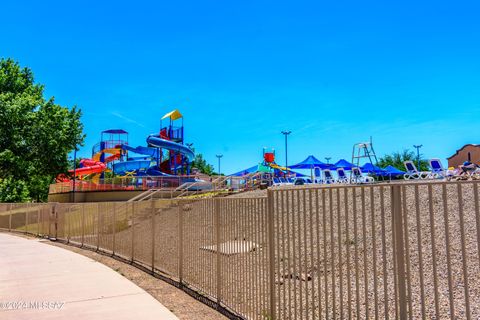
[[397, 251], [144, 183], [122, 184]]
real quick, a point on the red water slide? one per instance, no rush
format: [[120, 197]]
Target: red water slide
[[88, 167]]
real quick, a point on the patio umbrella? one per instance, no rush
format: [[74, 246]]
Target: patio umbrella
[[310, 163], [342, 163]]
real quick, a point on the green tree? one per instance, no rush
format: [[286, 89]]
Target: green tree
[[396, 160], [201, 164], [36, 135]]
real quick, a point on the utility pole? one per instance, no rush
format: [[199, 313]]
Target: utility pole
[[328, 159], [286, 133], [219, 156], [418, 154]]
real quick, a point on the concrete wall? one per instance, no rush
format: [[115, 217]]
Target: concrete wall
[[462, 155], [102, 196], [93, 196]]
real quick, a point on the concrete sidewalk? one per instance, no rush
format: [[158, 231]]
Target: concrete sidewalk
[[39, 281]]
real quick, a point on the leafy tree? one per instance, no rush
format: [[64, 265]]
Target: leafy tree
[[36, 135], [396, 160], [201, 164]]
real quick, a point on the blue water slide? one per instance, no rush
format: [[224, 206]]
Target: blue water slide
[[156, 141], [133, 165], [146, 151]]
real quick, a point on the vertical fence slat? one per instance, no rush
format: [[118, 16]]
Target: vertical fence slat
[[447, 248], [399, 251], [464, 253], [420, 253], [434, 250], [271, 254]]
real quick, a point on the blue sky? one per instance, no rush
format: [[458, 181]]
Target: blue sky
[[333, 73]]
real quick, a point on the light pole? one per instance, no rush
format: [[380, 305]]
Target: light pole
[[219, 156], [418, 154], [328, 159], [286, 133]]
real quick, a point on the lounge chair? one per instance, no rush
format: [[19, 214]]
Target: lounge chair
[[328, 177], [342, 176], [276, 182], [317, 173], [413, 173], [291, 180], [358, 177], [285, 182], [437, 171]]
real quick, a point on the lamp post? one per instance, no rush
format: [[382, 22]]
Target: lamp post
[[286, 133], [328, 159], [418, 154], [219, 156]]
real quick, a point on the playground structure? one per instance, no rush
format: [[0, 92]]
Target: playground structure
[[166, 156], [269, 163]]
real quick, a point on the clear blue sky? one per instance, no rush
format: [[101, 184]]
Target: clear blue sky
[[334, 73]]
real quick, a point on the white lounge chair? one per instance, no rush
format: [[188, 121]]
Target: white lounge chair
[[413, 173], [342, 176], [285, 182], [317, 173], [328, 177], [276, 182], [358, 177], [436, 169]]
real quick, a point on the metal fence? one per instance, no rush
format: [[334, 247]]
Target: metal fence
[[392, 251]]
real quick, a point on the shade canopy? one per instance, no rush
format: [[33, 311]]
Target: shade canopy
[[115, 131], [370, 168], [342, 163], [244, 172], [391, 170], [173, 115], [309, 163], [260, 168]]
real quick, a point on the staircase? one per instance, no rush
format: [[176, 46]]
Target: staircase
[[187, 188]]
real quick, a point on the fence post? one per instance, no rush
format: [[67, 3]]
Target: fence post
[[153, 234], [399, 249], [26, 219], [216, 209], [98, 226], [180, 241], [67, 222], [271, 254], [114, 226], [38, 221], [133, 230], [10, 218], [55, 216], [83, 224]]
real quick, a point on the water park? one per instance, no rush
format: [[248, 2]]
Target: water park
[[164, 168]]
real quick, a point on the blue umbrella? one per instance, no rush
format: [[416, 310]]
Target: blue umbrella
[[309, 163], [392, 171], [342, 163], [370, 168]]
